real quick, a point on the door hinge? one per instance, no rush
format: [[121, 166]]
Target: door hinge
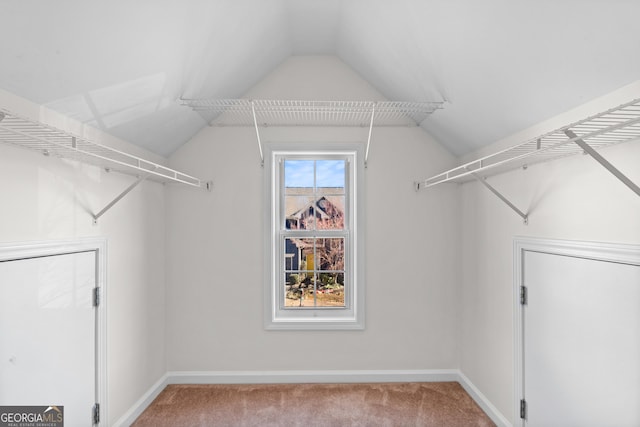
[[96, 414], [96, 297], [523, 295], [523, 409]]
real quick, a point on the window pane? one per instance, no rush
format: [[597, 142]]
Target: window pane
[[330, 174], [299, 212], [330, 213], [330, 254], [300, 294], [330, 297], [314, 272], [299, 191], [291, 255], [330, 191], [298, 173], [298, 254], [330, 289], [308, 213], [293, 290]]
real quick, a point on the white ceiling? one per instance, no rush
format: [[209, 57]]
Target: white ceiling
[[501, 65]]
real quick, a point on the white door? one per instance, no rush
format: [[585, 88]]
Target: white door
[[48, 334], [581, 346]]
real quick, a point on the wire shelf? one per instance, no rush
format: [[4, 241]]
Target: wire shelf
[[50, 141], [239, 112], [611, 127]]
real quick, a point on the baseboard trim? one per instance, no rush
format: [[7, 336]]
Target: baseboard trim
[[299, 377], [138, 408], [482, 401]]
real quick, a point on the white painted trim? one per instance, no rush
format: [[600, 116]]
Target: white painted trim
[[299, 377], [351, 317], [610, 252], [482, 401], [138, 408], [306, 377], [21, 250]]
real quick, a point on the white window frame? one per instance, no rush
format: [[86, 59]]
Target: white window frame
[[351, 316]]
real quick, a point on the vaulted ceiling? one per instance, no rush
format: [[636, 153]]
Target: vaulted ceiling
[[500, 65]]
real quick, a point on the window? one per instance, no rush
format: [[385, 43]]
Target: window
[[314, 256]]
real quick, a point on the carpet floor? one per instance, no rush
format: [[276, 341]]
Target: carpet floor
[[439, 404]]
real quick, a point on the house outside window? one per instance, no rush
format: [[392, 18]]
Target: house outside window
[[313, 252]]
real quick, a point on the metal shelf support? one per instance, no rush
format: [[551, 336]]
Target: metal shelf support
[[255, 123], [366, 154], [604, 162], [483, 181], [119, 197]]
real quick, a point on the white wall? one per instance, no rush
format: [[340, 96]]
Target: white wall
[[215, 277], [573, 198], [45, 198]]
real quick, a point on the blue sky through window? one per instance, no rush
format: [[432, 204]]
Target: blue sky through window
[[300, 173]]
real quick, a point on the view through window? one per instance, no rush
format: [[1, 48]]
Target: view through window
[[314, 233]]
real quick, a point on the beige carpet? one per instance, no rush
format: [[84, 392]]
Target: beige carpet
[[387, 404]]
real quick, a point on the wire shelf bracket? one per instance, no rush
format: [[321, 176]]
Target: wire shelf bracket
[[255, 123], [613, 126], [604, 162], [118, 198], [26, 133], [366, 154], [483, 181]]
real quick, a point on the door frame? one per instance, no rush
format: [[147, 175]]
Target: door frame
[[25, 250], [609, 252]]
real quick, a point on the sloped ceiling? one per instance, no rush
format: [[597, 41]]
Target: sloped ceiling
[[501, 65]]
